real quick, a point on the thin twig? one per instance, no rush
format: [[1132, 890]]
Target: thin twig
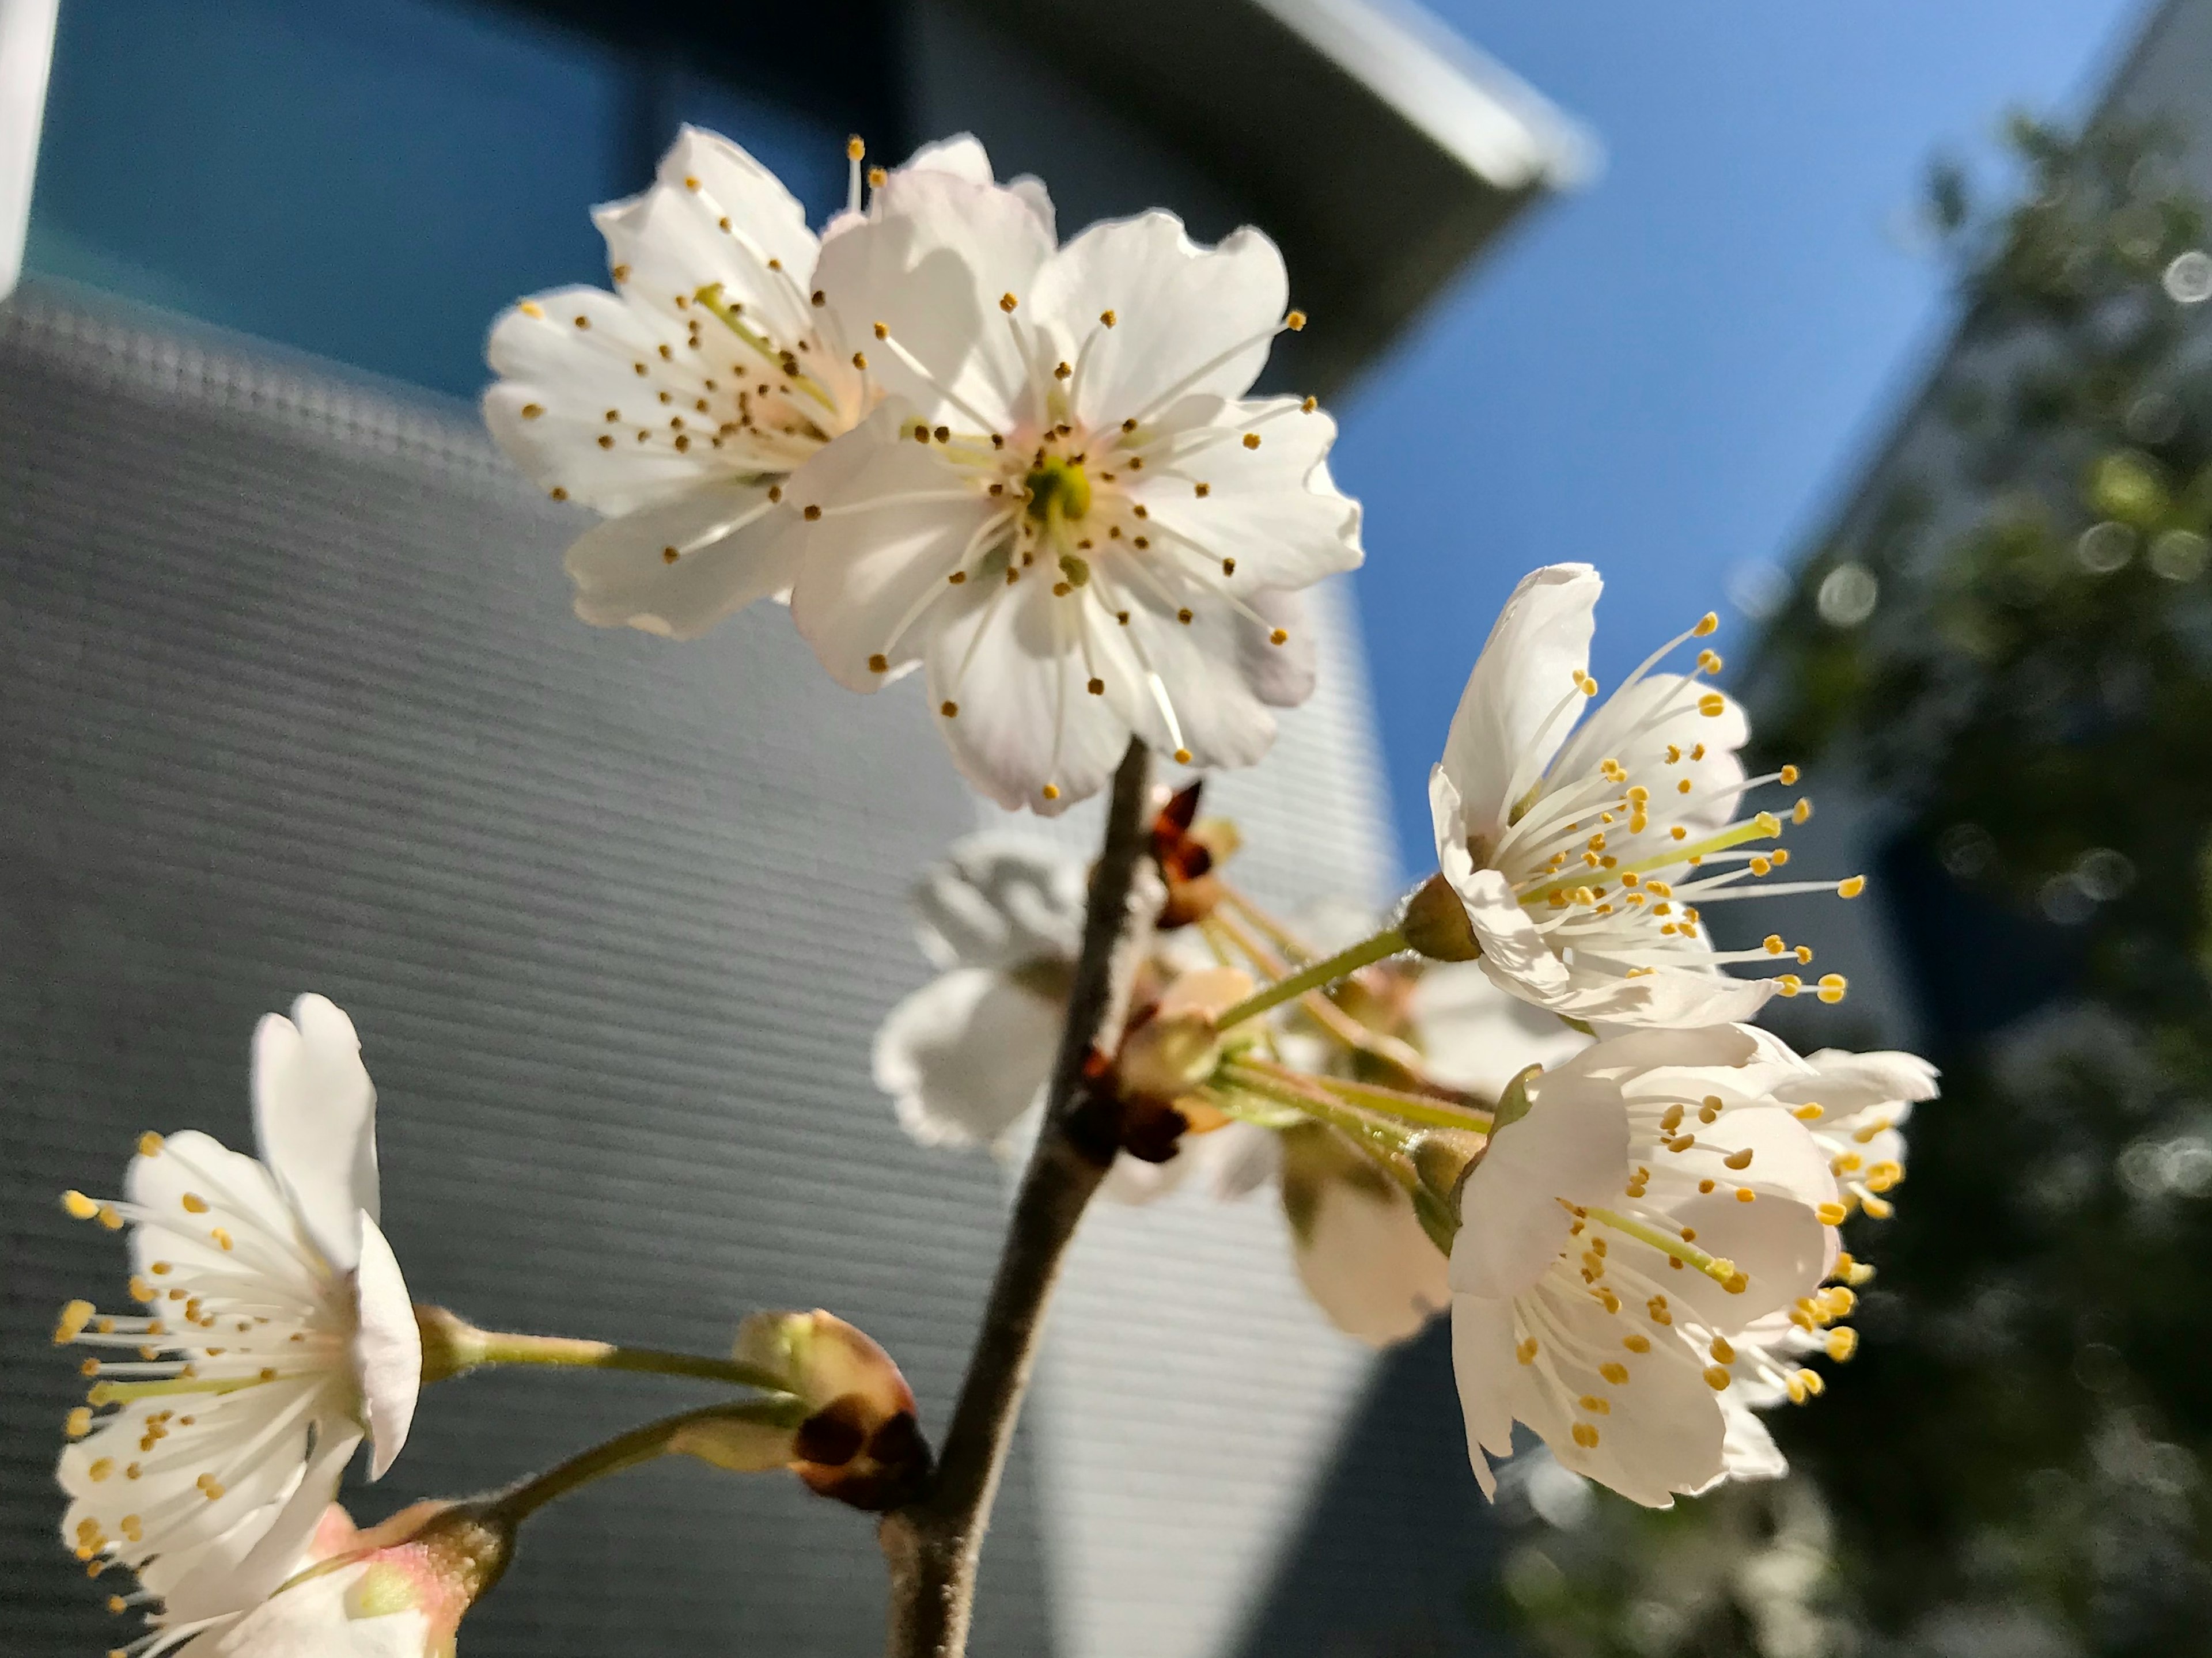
[[933, 1545]]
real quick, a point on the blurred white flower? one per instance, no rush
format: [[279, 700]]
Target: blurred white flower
[[1582, 853], [277, 1334], [1653, 1201], [1068, 514], [677, 405]]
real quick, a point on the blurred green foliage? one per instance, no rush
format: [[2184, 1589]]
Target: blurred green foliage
[[2010, 638]]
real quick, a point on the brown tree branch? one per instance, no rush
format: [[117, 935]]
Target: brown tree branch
[[933, 1545]]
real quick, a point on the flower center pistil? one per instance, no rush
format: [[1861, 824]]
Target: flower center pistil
[[1059, 489]]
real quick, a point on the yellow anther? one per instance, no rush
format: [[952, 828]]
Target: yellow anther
[[1594, 1406], [1585, 1436], [1801, 813], [1712, 704], [149, 1142], [854, 150], [77, 1206], [1833, 986], [1842, 1343], [1294, 321], [111, 1218], [223, 1239], [1707, 624], [1850, 886], [1722, 1352], [1762, 865], [1051, 791], [194, 1204], [1789, 984], [1804, 955], [1773, 944], [1682, 788], [75, 1316], [1636, 1342], [1811, 1111], [78, 1423], [1767, 823], [100, 1469], [1745, 1194], [1717, 1377], [1615, 1371], [1787, 776], [1710, 661], [1671, 1121], [1526, 1350], [1738, 1160]]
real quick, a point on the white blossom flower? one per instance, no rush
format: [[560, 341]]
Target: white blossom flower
[[277, 1334], [1654, 1201], [1582, 853], [968, 1054], [1070, 515], [679, 405]]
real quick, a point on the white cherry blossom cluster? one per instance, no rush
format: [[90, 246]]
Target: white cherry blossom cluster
[[1028, 469]]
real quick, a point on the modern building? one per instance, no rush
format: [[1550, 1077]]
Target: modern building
[[295, 701]]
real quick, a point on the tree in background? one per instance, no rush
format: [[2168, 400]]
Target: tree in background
[[2011, 640]]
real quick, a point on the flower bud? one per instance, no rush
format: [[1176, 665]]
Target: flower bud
[[1436, 926], [860, 1443], [398, 1589]]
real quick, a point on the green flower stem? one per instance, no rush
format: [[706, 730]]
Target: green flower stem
[[627, 1450], [1306, 1094], [452, 1346], [1425, 1109], [1315, 976]]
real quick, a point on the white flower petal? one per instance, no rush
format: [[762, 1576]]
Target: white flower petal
[[1515, 954], [1665, 1432], [866, 576], [314, 1115], [1779, 1246], [1846, 1084], [575, 375], [1570, 1148], [966, 1054], [930, 263], [1506, 718], [766, 219], [999, 900], [1640, 723], [223, 1583], [1026, 719], [1186, 319], [1282, 676], [1484, 1368], [1274, 510], [1747, 1449], [1366, 1262], [387, 1346], [1475, 1036], [732, 545]]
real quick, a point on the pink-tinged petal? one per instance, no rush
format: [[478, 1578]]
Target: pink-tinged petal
[[966, 1054], [1186, 319], [387, 1346], [1509, 720], [1366, 1262], [1274, 511], [1570, 1148], [733, 545], [315, 1116], [867, 572]]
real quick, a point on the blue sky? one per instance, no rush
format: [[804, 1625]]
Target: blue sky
[[1669, 373]]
